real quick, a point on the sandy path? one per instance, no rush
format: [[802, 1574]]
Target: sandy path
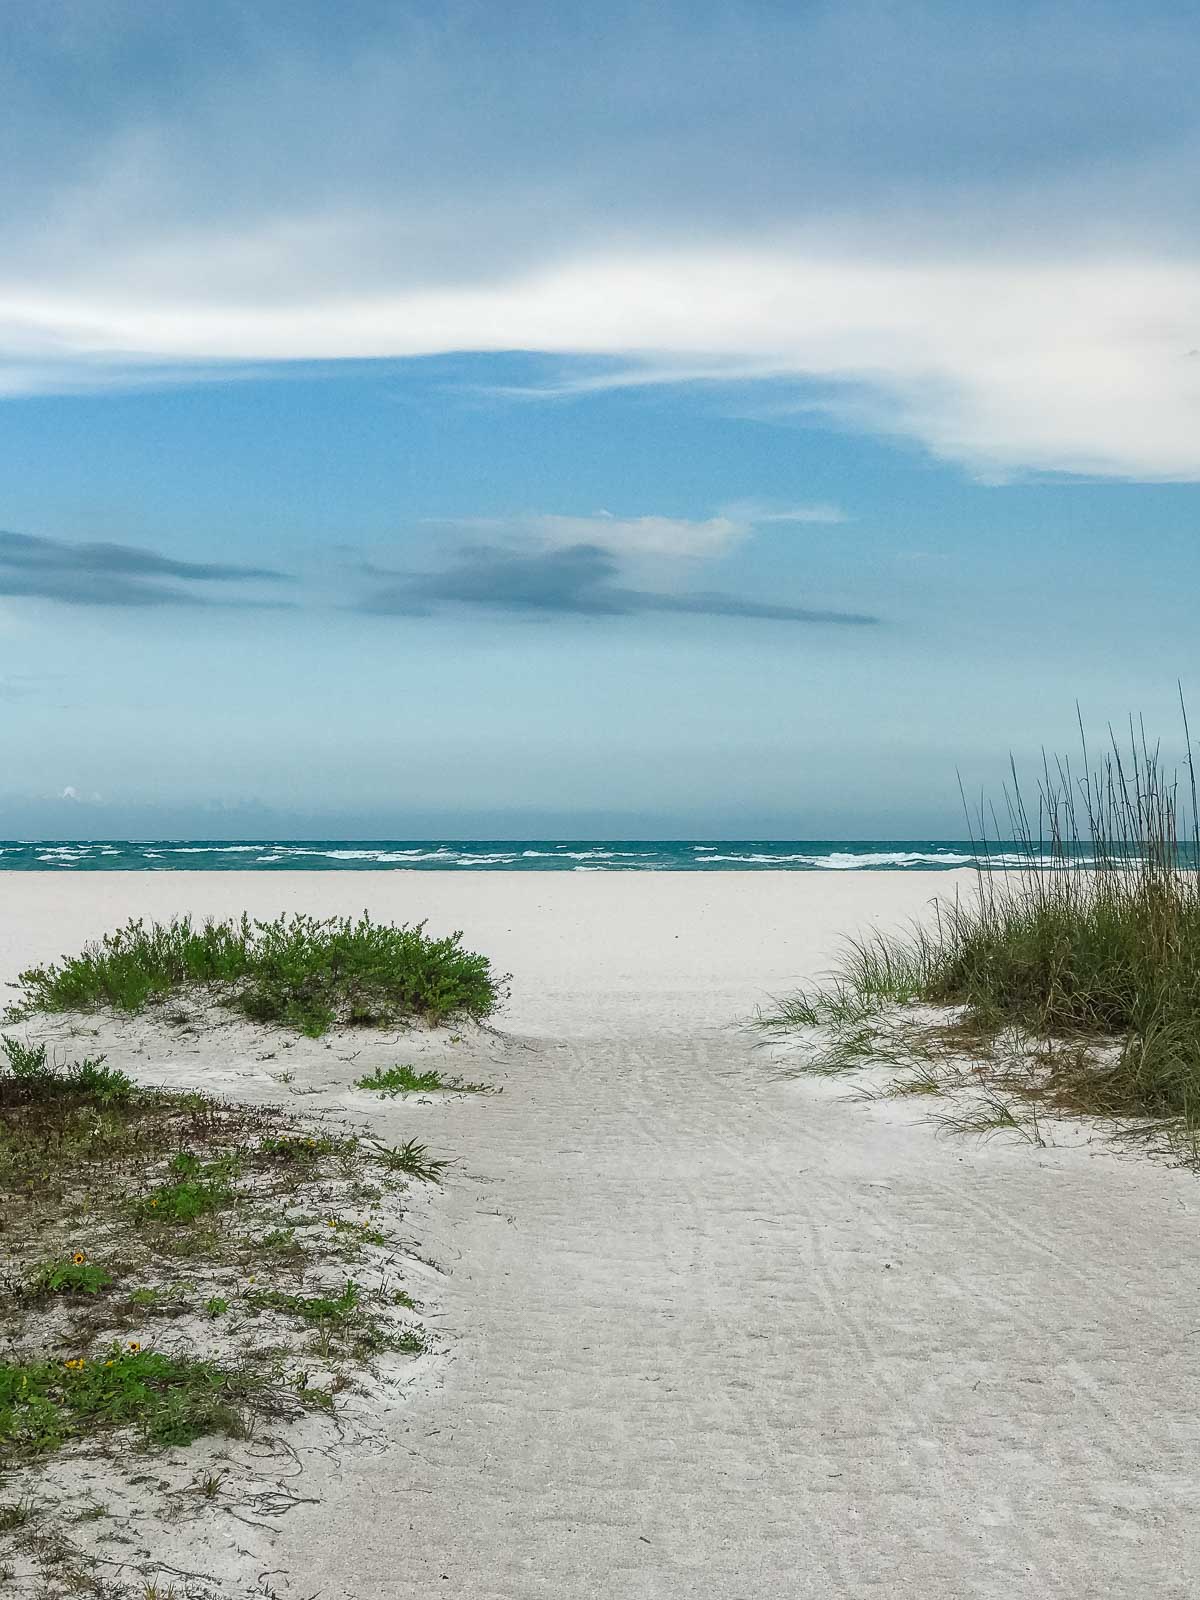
[[721, 1333], [730, 1336]]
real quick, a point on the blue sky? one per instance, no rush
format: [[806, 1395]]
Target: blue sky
[[475, 419]]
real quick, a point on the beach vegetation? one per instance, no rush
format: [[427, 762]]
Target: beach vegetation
[[299, 971], [1070, 979], [73, 1274], [166, 1399], [411, 1158], [410, 1080], [99, 1190]]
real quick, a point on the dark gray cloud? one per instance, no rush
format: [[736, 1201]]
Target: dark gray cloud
[[578, 580], [101, 574]]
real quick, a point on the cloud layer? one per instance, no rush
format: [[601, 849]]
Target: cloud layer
[[975, 237], [92, 574]]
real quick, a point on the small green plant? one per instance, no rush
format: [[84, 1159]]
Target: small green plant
[[185, 1201], [411, 1158], [407, 1080], [216, 1306], [71, 1275]]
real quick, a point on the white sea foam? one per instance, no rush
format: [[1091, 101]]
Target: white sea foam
[[210, 849], [580, 855]]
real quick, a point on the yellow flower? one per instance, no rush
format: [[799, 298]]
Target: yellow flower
[[76, 1365], [134, 1346], [79, 1258], [154, 1202], [108, 1363]]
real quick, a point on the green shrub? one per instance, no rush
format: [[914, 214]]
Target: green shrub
[[88, 1080], [299, 970]]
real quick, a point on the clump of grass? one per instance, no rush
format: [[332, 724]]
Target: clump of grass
[[17, 1513], [310, 1308], [1093, 938], [411, 1158], [301, 971], [340, 1322], [407, 1080], [170, 1400]]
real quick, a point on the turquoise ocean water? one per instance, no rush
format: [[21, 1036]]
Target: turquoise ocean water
[[491, 855]]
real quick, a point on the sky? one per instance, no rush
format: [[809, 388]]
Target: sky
[[650, 420]]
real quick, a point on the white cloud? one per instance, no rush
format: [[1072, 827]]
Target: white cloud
[[1082, 365]]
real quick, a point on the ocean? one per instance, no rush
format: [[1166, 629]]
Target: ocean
[[499, 855]]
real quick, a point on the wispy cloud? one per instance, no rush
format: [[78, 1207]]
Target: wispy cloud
[[764, 514], [102, 574], [579, 580], [673, 537]]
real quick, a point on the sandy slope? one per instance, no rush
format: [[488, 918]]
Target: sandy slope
[[715, 1331]]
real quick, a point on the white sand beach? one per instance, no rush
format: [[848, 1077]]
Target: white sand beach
[[710, 1329]]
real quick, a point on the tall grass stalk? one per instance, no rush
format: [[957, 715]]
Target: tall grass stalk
[[1094, 934]]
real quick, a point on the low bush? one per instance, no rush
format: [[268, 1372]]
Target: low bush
[[301, 971]]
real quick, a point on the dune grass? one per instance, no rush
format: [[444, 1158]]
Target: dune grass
[[300, 971], [1089, 949]]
